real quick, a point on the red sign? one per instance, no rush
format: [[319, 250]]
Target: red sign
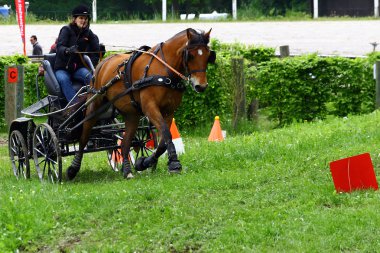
[[353, 173], [20, 12], [12, 75]]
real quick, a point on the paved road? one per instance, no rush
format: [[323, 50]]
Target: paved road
[[324, 37]]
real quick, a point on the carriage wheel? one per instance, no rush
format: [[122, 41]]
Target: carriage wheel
[[47, 154], [115, 159], [143, 144], [18, 153]]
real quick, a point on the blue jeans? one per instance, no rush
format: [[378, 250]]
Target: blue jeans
[[65, 80]]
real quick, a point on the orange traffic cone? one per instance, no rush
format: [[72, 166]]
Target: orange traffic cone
[[176, 138], [216, 131]]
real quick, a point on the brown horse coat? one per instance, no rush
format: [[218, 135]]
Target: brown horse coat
[[188, 54]]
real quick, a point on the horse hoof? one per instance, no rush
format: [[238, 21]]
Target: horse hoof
[[128, 175], [175, 167], [139, 165], [71, 173]]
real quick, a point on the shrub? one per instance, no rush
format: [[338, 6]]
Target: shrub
[[201, 108], [292, 89], [300, 88]]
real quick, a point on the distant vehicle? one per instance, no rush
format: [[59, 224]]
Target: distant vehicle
[[5, 11]]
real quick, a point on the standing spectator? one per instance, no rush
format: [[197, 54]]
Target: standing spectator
[[37, 49]]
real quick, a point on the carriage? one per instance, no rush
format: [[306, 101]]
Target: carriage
[[147, 84], [50, 131]]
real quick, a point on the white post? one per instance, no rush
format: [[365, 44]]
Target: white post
[[376, 10], [315, 3], [234, 9], [26, 8], [94, 17], [163, 10]]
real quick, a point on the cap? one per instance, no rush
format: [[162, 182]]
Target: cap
[[81, 10]]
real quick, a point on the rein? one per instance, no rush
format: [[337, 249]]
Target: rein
[[165, 64], [151, 80]]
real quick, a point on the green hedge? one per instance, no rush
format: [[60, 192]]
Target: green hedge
[[199, 109], [30, 72], [7, 61], [292, 89], [309, 87]]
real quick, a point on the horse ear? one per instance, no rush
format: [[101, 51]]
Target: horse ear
[[207, 35], [190, 33]]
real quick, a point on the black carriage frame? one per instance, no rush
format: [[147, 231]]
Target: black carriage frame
[[46, 143]]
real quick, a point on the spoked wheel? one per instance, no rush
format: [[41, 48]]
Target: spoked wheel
[[115, 159], [143, 145], [18, 153], [47, 154]]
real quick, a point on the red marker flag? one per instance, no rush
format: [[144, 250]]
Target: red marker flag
[[353, 173], [20, 13]]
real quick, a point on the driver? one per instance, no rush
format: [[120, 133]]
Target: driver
[[74, 38]]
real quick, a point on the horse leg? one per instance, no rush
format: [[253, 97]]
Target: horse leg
[[130, 130], [166, 143], [174, 165], [74, 168], [144, 163]]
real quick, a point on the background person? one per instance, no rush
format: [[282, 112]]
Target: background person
[[73, 39], [37, 49]]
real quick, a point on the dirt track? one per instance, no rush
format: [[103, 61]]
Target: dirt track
[[324, 37]]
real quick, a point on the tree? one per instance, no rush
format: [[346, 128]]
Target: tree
[[149, 9]]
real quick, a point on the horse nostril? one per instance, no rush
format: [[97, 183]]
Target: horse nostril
[[199, 88]]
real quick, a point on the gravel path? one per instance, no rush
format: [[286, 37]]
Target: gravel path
[[324, 37]]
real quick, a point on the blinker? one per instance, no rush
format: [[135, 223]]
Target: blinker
[[212, 57]]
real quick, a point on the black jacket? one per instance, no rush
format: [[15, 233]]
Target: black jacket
[[37, 49], [86, 40]]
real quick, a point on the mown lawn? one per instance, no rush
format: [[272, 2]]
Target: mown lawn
[[265, 192]]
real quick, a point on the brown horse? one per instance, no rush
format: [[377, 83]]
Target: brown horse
[[149, 84]]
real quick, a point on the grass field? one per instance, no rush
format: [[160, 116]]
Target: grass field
[[264, 192]]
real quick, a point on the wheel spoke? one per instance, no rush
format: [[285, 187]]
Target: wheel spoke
[[18, 154], [44, 170], [52, 161], [46, 153], [143, 144], [39, 151]]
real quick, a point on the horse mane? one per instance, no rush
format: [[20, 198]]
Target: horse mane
[[200, 39]]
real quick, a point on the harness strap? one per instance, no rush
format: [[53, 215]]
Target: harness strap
[[142, 83], [150, 61], [158, 81], [197, 70], [163, 58], [165, 64], [127, 83], [100, 109]]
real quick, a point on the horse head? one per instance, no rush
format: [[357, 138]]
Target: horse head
[[196, 55]]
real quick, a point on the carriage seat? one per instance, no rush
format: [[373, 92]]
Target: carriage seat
[[54, 88], [51, 83]]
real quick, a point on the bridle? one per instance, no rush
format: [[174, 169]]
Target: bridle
[[186, 58]]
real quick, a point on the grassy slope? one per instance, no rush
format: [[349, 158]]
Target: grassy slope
[[268, 191]]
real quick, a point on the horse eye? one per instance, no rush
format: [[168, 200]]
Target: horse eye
[[190, 56]]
